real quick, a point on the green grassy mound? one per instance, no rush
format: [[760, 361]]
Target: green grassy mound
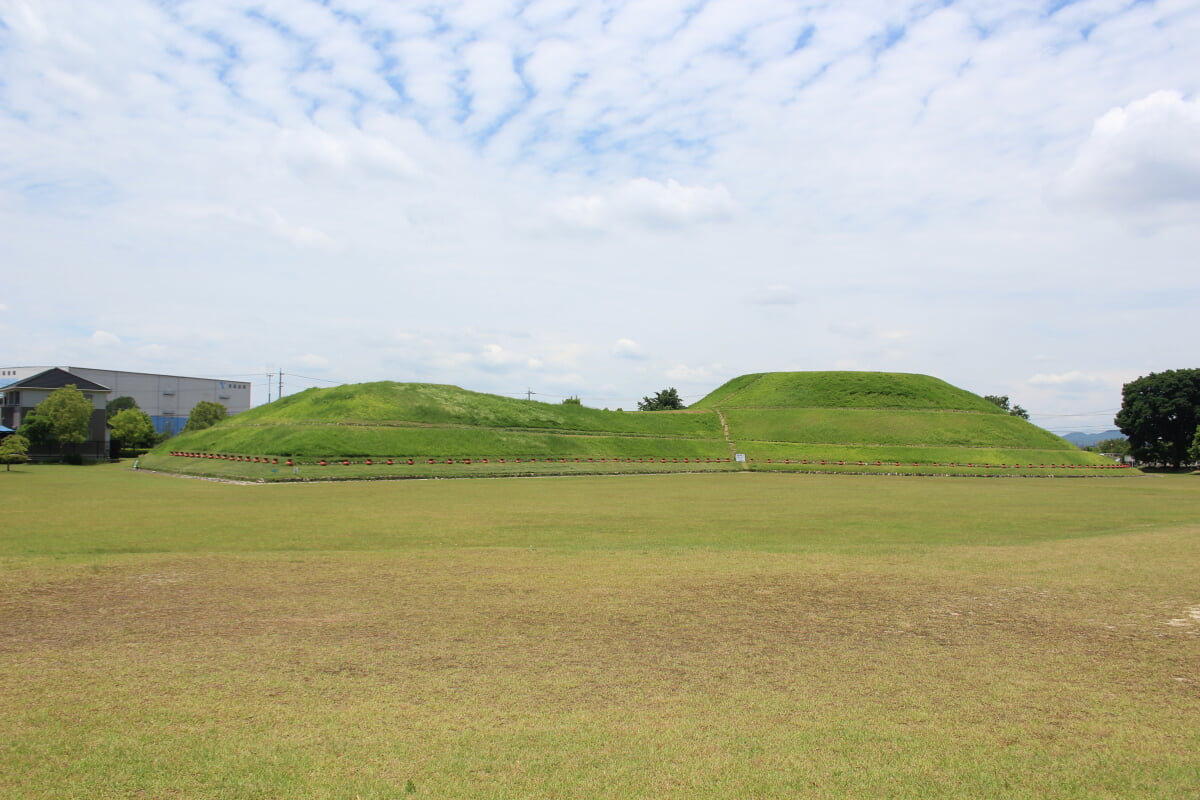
[[888, 427], [866, 421], [878, 421], [388, 404], [878, 390], [424, 422]]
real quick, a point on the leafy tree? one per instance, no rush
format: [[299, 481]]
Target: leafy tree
[[36, 430], [1002, 401], [68, 412], [133, 428], [1160, 413], [1195, 451], [204, 415], [14, 449], [572, 401], [665, 400], [1117, 446], [117, 405]]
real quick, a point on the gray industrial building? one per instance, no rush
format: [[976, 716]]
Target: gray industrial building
[[168, 399]]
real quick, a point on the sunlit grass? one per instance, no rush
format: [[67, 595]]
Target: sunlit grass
[[727, 635]]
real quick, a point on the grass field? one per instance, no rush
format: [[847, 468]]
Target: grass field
[[728, 635]]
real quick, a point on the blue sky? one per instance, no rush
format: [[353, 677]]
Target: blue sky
[[605, 198]]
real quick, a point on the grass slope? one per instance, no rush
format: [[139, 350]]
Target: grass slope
[[862, 426], [844, 390], [871, 417], [426, 421], [770, 417], [388, 403]]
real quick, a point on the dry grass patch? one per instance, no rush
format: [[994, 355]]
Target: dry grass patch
[[519, 673]]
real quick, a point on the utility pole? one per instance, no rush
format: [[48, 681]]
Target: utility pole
[[529, 394], [280, 394], [269, 376]]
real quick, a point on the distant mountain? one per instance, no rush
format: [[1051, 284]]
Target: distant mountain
[[1082, 440]]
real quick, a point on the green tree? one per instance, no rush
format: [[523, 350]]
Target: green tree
[[572, 401], [1160, 413], [205, 414], [68, 412], [1195, 451], [133, 428], [1002, 401], [1119, 447], [117, 405], [665, 400], [36, 430], [14, 449]]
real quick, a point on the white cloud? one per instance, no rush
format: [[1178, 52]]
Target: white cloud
[[493, 88], [682, 372], [495, 358], [105, 339], [351, 152], [850, 329], [585, 212], [569, 379], [670, 204], [301, 235], [1072, 379], [312, 360], [649, 204], [413, 168], [1139, 157], [265, 219], [776, 295], [628, 348], [554, 66]]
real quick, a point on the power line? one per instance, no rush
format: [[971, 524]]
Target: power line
[[323, 380], [1079, 414]]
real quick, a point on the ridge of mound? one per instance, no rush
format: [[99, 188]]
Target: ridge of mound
[[844, 390], [387, 403]]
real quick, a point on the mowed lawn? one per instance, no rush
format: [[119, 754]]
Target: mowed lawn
[[720, 636]]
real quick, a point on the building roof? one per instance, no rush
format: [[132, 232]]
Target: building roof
[[155, 374], [56, 378]]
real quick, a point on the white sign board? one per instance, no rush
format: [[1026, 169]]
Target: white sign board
[[739, 457]]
